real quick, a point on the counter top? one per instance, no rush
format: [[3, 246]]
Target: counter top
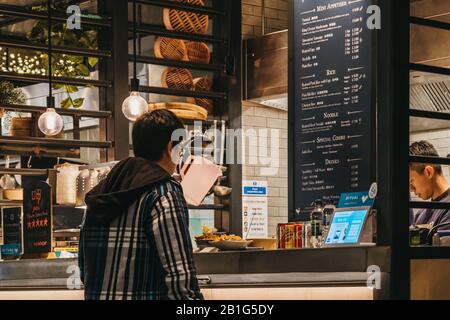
[[333, 259], [302, 267]]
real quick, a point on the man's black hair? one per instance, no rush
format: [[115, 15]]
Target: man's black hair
[[424, 149], [152, 132]]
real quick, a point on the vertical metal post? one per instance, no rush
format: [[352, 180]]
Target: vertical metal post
[[234, 104], [393, 137], [116, 70]]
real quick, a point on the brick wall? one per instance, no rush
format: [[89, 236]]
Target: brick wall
[[257, 117]]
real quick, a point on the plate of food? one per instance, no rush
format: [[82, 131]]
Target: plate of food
[[230, 242], [206, 237]]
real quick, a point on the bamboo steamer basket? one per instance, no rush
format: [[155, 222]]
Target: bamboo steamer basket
[[198, 52], [177, 78], [13, 194], [173, 49], [202, 84], [182, 110], [185, 21]]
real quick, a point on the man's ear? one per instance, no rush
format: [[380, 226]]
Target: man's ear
[[429, 172], [169, 148]]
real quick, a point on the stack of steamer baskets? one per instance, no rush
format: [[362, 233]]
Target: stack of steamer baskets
[[176, 49]]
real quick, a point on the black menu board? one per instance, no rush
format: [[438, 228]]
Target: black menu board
[[333, 140], [37, 218], [11, 218]]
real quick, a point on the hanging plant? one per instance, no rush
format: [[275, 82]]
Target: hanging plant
[[64, 65], [9, 94]]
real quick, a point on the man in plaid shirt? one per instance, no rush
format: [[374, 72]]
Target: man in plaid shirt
[[135, 241]]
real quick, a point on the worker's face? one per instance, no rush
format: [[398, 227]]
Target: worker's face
[[421, 183]]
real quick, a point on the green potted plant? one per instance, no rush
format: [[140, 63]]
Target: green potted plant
[[64, 65], [17, 125]]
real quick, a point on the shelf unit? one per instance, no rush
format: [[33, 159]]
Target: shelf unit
[[113, 84], [394, 113], [51, 147], [225, 41]]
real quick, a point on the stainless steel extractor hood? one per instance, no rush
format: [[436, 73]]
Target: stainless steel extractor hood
[[266, 70]]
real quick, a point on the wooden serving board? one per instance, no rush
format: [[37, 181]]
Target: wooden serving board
[[182, 109]]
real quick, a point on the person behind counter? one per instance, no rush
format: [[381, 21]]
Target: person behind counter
[[134, 241], [427, 181]]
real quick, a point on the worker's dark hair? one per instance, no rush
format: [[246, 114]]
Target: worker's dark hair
[[424, 149], [152, 132]]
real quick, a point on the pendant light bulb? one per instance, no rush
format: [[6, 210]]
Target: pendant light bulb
[[50, 122], [134, 106]]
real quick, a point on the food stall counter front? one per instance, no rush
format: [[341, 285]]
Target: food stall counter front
[[327, 273]]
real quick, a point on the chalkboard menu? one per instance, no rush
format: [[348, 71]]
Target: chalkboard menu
[[11, 225], [332, 150], [37, 218]]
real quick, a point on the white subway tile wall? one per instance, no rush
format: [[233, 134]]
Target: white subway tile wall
[[260, 117]]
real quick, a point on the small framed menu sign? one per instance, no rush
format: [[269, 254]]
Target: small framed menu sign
[[12, 232], [37, 218]]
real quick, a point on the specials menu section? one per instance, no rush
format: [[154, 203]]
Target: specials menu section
[[333, 100]]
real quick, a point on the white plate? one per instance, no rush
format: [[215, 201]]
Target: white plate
[[230, 245]]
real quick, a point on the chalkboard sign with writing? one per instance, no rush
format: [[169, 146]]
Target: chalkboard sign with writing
[[37, 218], [11, 218], [332, 151]]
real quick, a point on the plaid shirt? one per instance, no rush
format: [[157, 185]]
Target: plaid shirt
[[145, 253]]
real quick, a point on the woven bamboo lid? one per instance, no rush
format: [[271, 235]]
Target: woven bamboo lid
[[177, 78], [198, 52], [202, 84], [168, 48], [186, 21]]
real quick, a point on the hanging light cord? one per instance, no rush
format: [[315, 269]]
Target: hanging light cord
[[134, 40], [49, 26], [50, 99]]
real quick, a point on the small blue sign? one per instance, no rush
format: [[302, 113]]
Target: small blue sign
[[10, 250], [355, 199], [252, 191]]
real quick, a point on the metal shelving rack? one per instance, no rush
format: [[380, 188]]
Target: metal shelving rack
[[394, 114], [226, 57], [113, 81], [429, 252], [19, 14]]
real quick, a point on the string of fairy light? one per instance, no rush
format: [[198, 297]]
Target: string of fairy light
[[25, 64]]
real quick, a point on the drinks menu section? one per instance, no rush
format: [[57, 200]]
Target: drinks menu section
[[333, 98]]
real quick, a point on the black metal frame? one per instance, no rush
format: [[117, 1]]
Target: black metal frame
[[394, 129], [105, 83], [226, 57], [428, 252], [393, 141], [21, 12]]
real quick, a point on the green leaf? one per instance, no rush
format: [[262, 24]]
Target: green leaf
[[76, 59], [83, 70], [70, 89], [58, 86], [93, 62], [78, 103], [66, 103]]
